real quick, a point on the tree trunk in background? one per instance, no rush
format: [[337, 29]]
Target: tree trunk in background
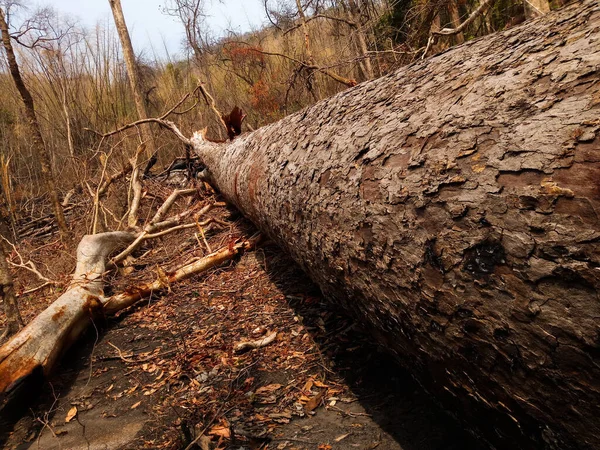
[[14, 322], [453, 207], [36, 134], [459, 38], [133, 74], [314, 84], [355, 16]]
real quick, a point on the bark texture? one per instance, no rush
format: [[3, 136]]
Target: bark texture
[[453, 206]]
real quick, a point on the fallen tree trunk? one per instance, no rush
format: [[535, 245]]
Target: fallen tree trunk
[[453, 206], [37, 347], [33, 352]]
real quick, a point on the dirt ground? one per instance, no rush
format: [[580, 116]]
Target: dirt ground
[[164, 374]]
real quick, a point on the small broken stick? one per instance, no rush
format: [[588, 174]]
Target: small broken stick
[[249, 345]]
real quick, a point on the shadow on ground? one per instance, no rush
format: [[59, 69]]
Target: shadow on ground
[[404, 414]]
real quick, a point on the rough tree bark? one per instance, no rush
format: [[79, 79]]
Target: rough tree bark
[[453, 206], [36, 134]]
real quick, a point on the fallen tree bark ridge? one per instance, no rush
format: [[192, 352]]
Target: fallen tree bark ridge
[[453, 207]]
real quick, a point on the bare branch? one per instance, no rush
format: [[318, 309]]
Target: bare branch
[[162, 122], [451, 31], [325, 71], [350, 23]]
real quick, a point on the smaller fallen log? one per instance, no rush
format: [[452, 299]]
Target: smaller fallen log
[[132, 295], [41, 343], [37, 348]]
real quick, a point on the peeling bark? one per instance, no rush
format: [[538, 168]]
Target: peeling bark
[[453, 206]]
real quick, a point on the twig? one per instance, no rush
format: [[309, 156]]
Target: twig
[[485, 4], [162, 122], [346, 81], [180, 102], [31, 291], [348, 413], [249, 345], [201, 230], [121, 356], [155, 226], [210, 101], [29, 265]]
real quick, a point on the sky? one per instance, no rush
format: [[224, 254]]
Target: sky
[[149, 27]]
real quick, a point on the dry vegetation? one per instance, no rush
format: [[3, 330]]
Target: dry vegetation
[[79, 82]]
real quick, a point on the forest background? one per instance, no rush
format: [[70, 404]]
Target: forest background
[[309, 50]]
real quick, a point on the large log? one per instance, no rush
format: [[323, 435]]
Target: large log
[[453, 206]]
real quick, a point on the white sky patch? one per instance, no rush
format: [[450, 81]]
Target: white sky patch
[[151, 30]]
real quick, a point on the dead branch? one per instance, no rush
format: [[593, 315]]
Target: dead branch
[[157, 223], [35, 289], [249, 345], [210, 101], [162, 211], [104, 159], [122, 357], [37, 347], [201, 231], [111, 179], [162, 122], [132, 295], [29, 265], [307, 65], [135, 190], [181, 101], [485, 4]]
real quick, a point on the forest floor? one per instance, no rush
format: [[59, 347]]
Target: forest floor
[[164, 374]]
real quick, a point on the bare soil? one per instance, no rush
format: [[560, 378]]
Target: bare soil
[[164, 373]]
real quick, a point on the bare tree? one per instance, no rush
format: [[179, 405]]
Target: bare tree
[[191, 14], [133, 72], [36, 134]]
